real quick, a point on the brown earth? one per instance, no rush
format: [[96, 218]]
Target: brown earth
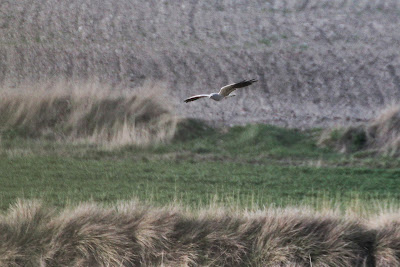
[[318, 63]]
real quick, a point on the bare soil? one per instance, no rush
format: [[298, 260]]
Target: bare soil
[[319, 63]]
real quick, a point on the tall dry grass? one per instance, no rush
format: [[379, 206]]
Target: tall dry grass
[[87, 111], [383, 132], [131, 234]]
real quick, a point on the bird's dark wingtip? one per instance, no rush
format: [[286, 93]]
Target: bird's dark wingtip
[[244, 83], [249, 81]]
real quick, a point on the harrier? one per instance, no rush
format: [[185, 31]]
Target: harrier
[[223, 92]]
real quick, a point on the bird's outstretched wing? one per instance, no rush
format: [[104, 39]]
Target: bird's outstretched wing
[[227, 89], [195, 97]]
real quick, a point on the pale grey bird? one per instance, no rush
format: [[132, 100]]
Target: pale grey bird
[[224, 92]]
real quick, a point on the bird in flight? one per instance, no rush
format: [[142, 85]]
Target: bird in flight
[[223, 92]]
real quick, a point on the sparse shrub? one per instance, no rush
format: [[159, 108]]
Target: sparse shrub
[[346, 140], [381, 135]]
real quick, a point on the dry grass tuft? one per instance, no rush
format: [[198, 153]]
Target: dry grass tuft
[[131, 234], [383, 132], [24, 234], [297, 238], [90, 235], [387, 244], [381, 135], [87, 112]]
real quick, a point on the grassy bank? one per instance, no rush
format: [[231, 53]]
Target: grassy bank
[[254, 195], [247, 166]]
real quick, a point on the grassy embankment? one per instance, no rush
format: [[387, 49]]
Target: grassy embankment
[[220, 189], [68, 148]]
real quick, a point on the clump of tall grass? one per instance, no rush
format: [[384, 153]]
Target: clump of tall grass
[[87, 111], [132, 234], [24, 234], [383, 132], [380, 135], [387, 244]]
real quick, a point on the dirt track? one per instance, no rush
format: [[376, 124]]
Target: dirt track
[[318, 62]]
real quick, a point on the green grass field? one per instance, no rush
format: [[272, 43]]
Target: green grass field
[[246, 166]]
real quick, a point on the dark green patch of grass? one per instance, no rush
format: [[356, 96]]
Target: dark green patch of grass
[[59, 180], [351, 139]]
